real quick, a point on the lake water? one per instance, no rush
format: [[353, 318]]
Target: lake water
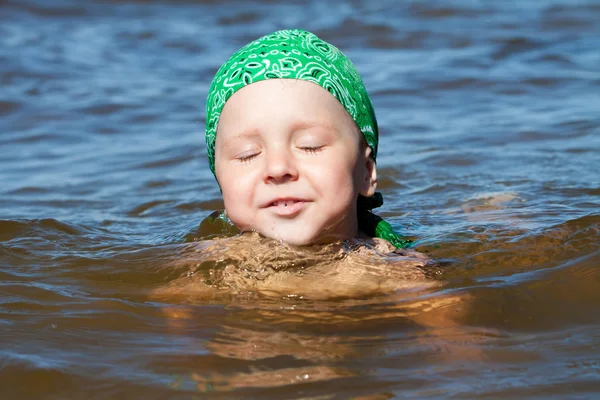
[[489, 158]]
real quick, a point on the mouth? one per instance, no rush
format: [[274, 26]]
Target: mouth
[[287, 207], [283, 203]]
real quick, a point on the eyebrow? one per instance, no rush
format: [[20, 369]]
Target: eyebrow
[[302, 125], [251, 133]]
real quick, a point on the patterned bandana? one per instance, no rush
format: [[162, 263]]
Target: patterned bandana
[[298, 54]]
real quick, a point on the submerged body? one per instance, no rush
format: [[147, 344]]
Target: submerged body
[[249, 264], [337, 283]]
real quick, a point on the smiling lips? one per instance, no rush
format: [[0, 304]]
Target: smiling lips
[[286, 207]]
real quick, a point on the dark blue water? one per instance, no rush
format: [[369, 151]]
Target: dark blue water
[[489, 154]]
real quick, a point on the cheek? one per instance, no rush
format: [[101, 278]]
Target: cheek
[[344, 167], [236, 208], [334, 178], [235, 189], [238, 192]]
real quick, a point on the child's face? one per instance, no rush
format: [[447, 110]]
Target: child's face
[[291, 162]]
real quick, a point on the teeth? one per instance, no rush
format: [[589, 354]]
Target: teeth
[[284, 203]]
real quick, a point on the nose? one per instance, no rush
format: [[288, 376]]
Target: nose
[[280, 166]]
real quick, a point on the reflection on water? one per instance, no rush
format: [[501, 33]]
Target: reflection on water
[[112, 286]]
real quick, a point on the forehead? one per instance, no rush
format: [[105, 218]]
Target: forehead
[[278, 100]]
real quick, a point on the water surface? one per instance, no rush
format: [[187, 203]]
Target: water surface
[[490, 143]]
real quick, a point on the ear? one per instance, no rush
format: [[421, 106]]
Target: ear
[[369, 168]]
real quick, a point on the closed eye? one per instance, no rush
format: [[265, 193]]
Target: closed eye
[[311, 149], [247, 156]]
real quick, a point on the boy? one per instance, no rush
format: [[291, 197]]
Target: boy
[[291, 138]]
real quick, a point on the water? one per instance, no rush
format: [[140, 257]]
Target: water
[[490, 139]]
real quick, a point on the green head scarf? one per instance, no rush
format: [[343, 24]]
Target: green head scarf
[[298, 54]]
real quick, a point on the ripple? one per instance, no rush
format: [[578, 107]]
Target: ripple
[[105, 109], [579, 125], [241, 18], [146, 208], [544, 82], [10, 229], [207, 205], [9, 107], [50, 10], [36, 137], [560, 60], [510, 47], [172, 160], [31, 191]]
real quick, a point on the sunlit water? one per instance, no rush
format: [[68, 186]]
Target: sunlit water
[[490, 143]]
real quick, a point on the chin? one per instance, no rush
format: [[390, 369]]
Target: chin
[[291, 239], [302, 237], [292, 235]]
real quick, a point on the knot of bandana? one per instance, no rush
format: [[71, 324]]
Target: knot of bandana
[[374, 225], [298, 54]]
